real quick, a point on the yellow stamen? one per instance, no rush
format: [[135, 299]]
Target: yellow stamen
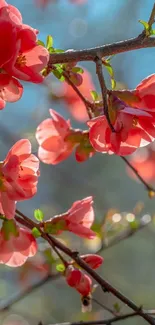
[[21, 60], [135, 121]]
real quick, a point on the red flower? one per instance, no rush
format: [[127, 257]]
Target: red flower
[[78, 219], [27, 64], [93, 260], [134, 128], [18, 177], [17, 247], [51, 135], [79, 280]]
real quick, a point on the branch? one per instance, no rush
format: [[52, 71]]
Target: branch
[[103, 51], [106, 286], [123, 235], [147, 186], [89, 106], [103, 87], [90, 54], [102, 322], [5, 305]]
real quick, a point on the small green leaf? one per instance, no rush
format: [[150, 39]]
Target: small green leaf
[[58, 75], [58, 51], [94, 95], [39, 42], [9, 228], [49, 42], [49, 257], [117, 307], [113, 84], [77, 70], [51, 50], [152, 32], [35, 232], [145, 24], [109, 68], [60, 267], [38, 214], [134, 224], [50, 228]]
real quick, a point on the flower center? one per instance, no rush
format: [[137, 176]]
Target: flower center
[[21, 60], [135, 121]]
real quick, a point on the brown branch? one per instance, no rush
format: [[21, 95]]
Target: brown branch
[[152, 16], [102, 322], [106, 286], [90, 54], [103, 87], [5, 305], [103, 51], [149, 188], [87, 103], [127, 233]]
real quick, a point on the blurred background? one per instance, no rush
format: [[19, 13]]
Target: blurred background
[[128, 265]]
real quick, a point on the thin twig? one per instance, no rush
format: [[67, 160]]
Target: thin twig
[[86, 102], [127, 233], [152, 16], [101, 322], [103, 87], [113, 312], [5, 305], [149, 188], [106, 286]]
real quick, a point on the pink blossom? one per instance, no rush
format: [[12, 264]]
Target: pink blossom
[[17, 248], [78, 219], [18, 176], [51, 135], [10, 89], [134, 128]]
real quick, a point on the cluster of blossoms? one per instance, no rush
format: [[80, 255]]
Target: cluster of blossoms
[[21, 57], [132, 114]]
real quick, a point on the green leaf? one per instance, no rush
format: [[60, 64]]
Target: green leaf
[[58, 51], [49, 42], [50, 228], [51, 50], [77, 70], [117, 307], [39, 215], [9, 228], [109, 68], [48, 255], [145, 24], [39, 42], [60, 267], [35, 232], [58, 75], [113, 84], [152, 32], [94, 95], [134, 224]]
